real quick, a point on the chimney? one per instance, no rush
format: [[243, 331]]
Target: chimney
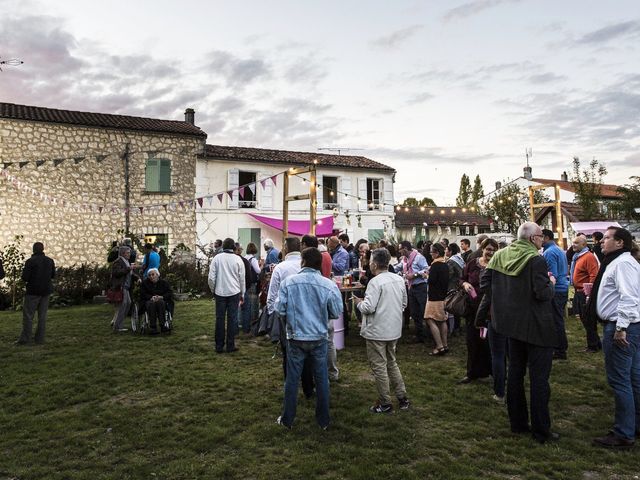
[[498, 185], [527, 172], [190, 116], [564, 177]]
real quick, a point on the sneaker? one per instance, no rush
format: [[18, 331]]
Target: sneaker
[[404, 403], [379, 408], [497, 399], [612, 441], [279, 422]]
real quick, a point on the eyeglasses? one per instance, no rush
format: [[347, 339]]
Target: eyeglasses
[[539, 235]]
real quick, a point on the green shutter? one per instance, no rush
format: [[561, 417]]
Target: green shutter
[[165, 176], [152, 175]]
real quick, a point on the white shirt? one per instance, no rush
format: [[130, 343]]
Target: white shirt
[[253, 262], [384, 301], [291, 265], [226, 275], [619, 292]]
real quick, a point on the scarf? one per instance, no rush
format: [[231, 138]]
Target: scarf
[[592, 310], [574, 260], [512, 260], [406, 267], [458, 259]]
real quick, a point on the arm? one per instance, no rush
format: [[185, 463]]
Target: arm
[[254, 265], [552, 263], [419, 266], [213, 273], [542, 287], [241, 276], [485, 304], [371, 299], [280, 304], [53, 269], [592, 267], [340, 262], [26, 272], [627, 286], [274, 287], [335, 302]]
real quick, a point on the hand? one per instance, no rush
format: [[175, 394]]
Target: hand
[[241, 302], [553, 279], [467, 287], [621, 339], [356, 300]]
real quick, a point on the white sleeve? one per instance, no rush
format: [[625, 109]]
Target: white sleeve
[[213, 271], [274, 285], [627, 281], [371, 299]]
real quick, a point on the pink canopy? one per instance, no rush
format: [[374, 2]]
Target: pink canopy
[[324, 228]]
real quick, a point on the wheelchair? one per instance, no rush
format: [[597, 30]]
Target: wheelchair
[[141, 325]]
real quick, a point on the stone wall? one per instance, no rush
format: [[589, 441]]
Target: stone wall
[[79, 235]]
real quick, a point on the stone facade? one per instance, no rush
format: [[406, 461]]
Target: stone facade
[[74, 234]]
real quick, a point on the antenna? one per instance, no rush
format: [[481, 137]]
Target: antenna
[[339, 149], [11, 61], [528, 153]]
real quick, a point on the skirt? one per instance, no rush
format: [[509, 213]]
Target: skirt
[[435, 311]]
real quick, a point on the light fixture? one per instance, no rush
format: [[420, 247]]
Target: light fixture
[[406, 209], [441, 212], [464, 210], [331, 193], [422, 209], [431, 212], [453, 210]]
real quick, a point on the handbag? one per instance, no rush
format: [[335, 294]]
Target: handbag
[[115, 296], [457, 302]]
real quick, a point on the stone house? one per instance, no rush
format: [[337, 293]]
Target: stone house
[[64, 180]]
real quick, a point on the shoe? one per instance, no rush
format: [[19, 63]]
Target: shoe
[[519, 430], [446, 349], [498, 399], [464, 380], [325, 428], [20, 342], [612, 441], [438, 352], [404, 403], [379, 408], [559, 356], [123, 329], [551, 437], [279, 422], [154, 331]]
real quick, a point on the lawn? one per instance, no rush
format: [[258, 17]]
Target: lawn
[[93, 405]]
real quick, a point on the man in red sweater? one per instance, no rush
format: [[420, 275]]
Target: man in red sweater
[[584, 269]]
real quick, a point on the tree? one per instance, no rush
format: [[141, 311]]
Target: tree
[[477, 192], [509, 208], [13, 258], [465, 192], [630, 201], [413, 202], [587, 184]]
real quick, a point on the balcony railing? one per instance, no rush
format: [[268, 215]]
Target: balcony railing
[[329, 206], [247, 204]]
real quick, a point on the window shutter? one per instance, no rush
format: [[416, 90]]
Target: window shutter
[[164, 182], [266, 193], [387, 188], [152, 175], [362, 193], [344, 186], [233, 177]]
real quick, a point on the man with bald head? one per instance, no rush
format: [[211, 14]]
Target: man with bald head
[[584, 269], [339, 256]]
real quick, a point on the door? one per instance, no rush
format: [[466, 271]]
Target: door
[[249, 235]]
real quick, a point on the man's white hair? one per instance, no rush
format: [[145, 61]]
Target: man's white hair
[[527, 229], [268, 243], [151, 270]]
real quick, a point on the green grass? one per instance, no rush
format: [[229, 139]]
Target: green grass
[[93, 405]]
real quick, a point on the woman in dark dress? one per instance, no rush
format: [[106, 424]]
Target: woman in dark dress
[[434, 313], [478, 353]]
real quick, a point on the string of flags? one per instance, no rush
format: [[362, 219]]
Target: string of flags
[[141, 209]]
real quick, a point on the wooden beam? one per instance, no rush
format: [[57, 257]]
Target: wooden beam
[[285, 207], [313, 204]]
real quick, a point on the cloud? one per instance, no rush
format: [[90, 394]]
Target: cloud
[[420, 98], [630, 28], [396, 38], [547, 77], [235, 69], [473, 8]]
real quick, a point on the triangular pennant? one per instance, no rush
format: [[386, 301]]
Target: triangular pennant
[[100, 158], [100, 209], [57, 161], [200, 201], [40, 162], [241, 192], [220, 197], [165, 208], [252, 187], [77, 160], [210, 200], [23, 164], [230, 193], [141, 210], [263, 183], [7, 164], [273, 179]]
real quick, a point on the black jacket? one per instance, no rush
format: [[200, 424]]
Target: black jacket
[[521, 305], [148, 289], [438, 281], [119, 272], [38, 272]]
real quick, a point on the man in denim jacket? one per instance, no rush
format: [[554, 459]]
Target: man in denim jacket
[[308, 301]]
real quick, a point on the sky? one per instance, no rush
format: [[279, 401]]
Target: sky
[[433, 88]]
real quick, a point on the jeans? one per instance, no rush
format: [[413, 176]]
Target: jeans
[[590, 324], [417, 304], [499, 346], [622, 365], [558, 305], [226, 307], [297, 352]]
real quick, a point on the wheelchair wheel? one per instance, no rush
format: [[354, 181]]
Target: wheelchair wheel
[[168, 322], [135, 319]]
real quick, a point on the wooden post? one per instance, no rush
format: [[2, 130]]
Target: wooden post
[[559, 227], [311, 196], [285, 207], [313, 205], [531, 202]]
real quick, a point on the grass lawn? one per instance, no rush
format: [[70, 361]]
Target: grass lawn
[[93, 405]]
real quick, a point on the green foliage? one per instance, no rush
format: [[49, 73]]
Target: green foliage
[[625, 207], [509, 208], [413, 202], [465, 193], [587, 184], [13, 259], [477, 192]]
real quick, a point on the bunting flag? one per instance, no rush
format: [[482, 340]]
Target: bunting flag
[[241, 192], [77, 160], [165, 208], [57, 161], [200, 201], [220, 197], [23, 164], [439, 230], [141, 210], [252, 187], [230, 193], [273, 179], [39, 163], [263, 183]]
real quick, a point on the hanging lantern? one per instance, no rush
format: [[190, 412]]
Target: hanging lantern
[[448, 231], [492, 226]]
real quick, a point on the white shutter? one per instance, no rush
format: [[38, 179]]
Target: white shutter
[[362, 193], [266, 193], [319, 198], [387, 188], [233, 179], [344, 187]]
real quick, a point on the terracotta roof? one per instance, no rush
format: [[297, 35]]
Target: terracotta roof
[[606, 191], [292, 158], [572, 211], [87, 119], [451, 216]]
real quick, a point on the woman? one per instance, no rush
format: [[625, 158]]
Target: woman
[[456, 264], [434, 314], [250, 310], [155, 293], [122, 278], [478, 353]]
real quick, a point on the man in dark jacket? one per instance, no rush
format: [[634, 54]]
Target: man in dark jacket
[[37, 274], [521, 294]]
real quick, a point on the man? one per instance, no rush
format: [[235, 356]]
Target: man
[[122, 278], [307, 300], [353, 255], [615, 300], [477, 253], [521, 295], [326, 260], [465, 246], [414, 267], [272, 253], [227, 282], [37, 274], [150, 260], [249, 278], [216, 248], [570, 251], [597, 248], [557, 264], [444, 242], [339, 257], [382, 327], [128, 243], [584, 269]]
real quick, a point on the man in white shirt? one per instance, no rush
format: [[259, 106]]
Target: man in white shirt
[[616, 299], [382, 306], [227, 282]]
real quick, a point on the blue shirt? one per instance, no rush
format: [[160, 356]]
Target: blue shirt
[[340, 261], [151, 261], [272, 257], [418, 267], [308, 300], [557, 263]]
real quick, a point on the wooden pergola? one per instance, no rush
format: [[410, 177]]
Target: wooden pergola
[[311, 196], [557, 204]]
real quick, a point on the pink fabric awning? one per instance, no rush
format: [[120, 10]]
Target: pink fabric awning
[[324, 228]]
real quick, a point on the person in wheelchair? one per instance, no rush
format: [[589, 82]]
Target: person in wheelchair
[[155, 299]]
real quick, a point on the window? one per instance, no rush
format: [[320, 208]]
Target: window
[[160, 240], [329, 193], [157, 177], [374, 235], [373, 194], [249, 200]]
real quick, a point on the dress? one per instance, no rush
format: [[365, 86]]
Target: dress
[[478, 353]]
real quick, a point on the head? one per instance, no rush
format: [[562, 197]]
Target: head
[[363, 248], [465, 244], [291, 244], [579, 243], [531, 232], [38, 247], [124, 252], [126, 241], [444, 242], [217, 243], [452, 249], [405, 248], [333, 243], [437, 250], [114, 244], [312, 258], [488, 248], [308, 241], [379, 261], [358, 243], [597, 237], [237, 249], [153, 274], [382, 243], [148, 247], [480, 239], [616, 238], [420, 245], [392, 251], [547, 235], [268, 244], [502, 244], [344, 240], [228, 244], [252, 249]]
